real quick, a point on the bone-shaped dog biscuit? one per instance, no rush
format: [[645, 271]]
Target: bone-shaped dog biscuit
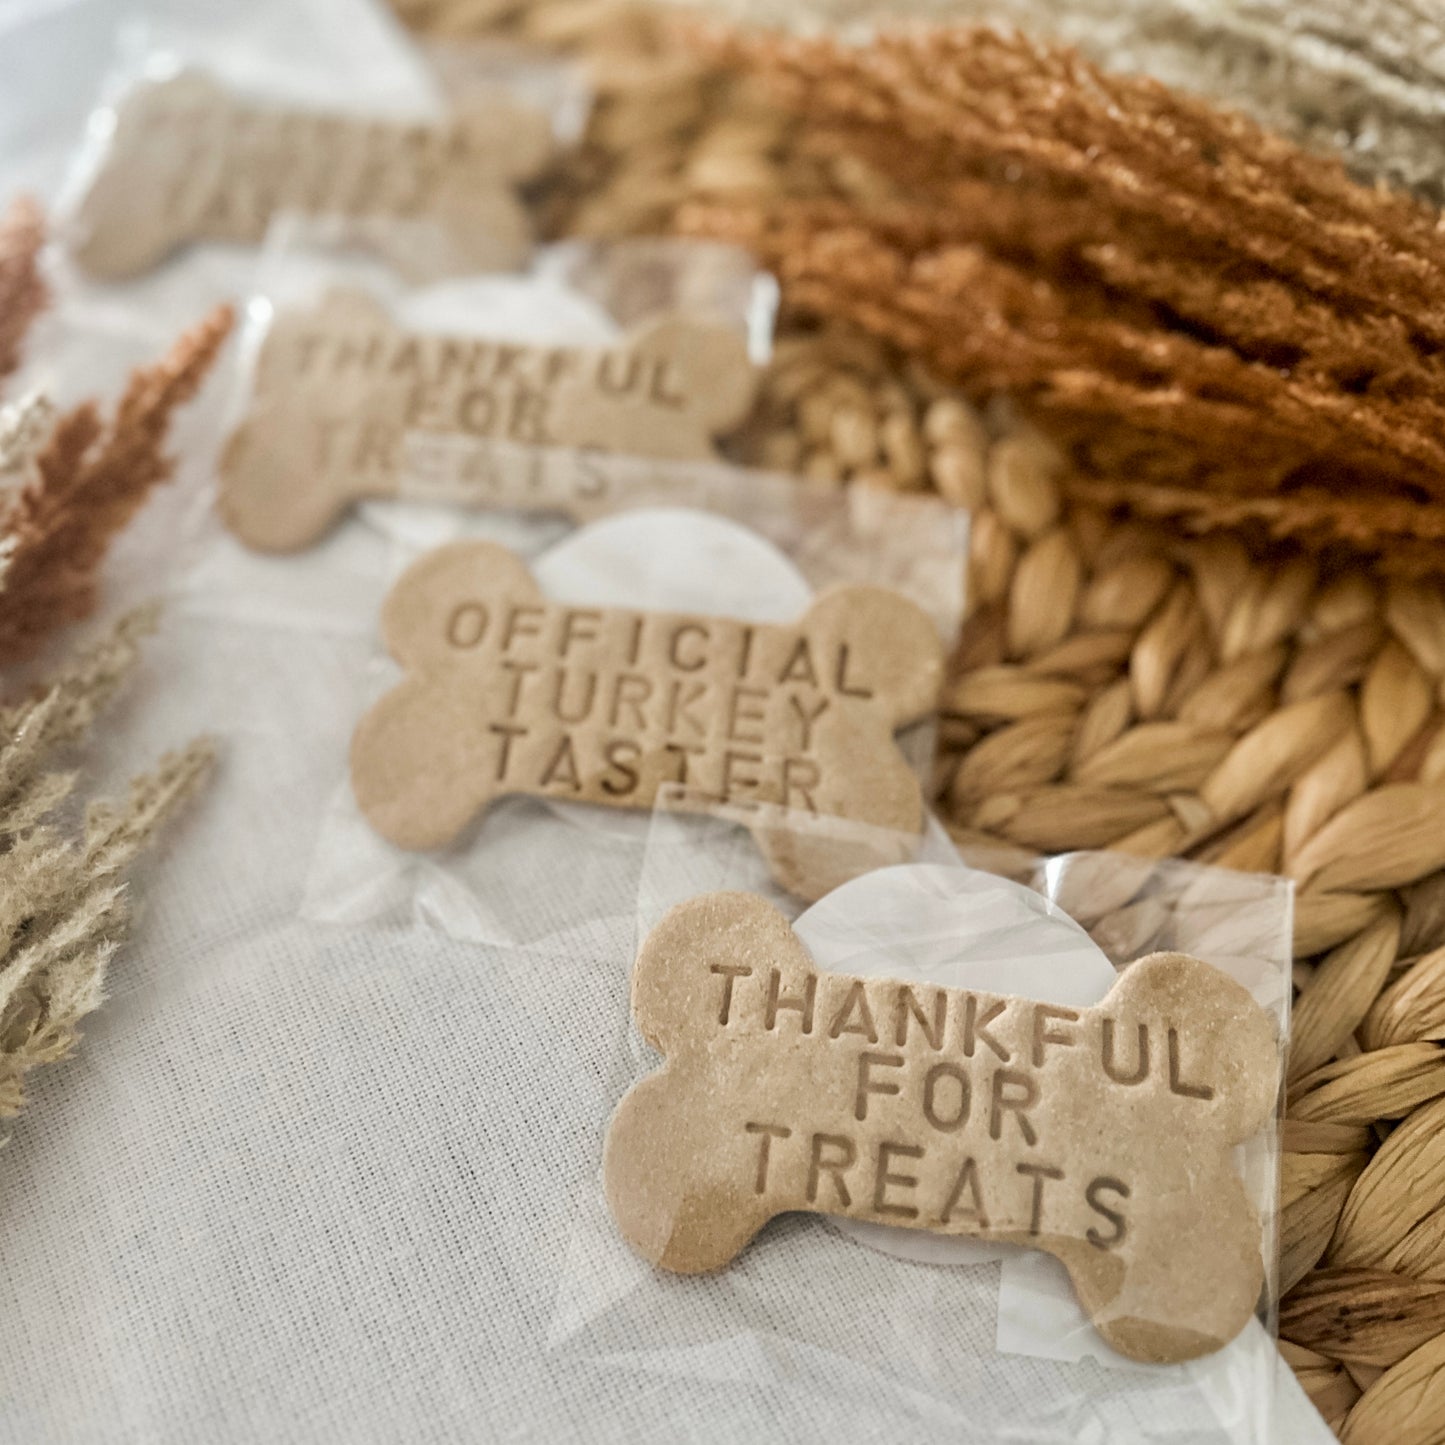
[[507, 693], [187, 161], [338, 389], [1102, 1136]]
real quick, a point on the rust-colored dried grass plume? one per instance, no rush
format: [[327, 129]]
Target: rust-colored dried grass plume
[[1221, 326], [22, 289], [84, 484], [69, 486]]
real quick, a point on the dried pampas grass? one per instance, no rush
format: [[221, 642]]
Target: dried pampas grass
[[68, 486], [63, 905], [84, 481]]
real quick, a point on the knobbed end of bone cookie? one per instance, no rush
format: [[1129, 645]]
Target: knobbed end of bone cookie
[[1159, 1342], [511, 140], [810, 856], [146, 199], [679, 1231], [1103, 1136], [272, 498], [119, 229], [417, 792], [1192, 1283]]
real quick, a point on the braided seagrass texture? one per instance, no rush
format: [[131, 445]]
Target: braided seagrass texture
[[1118, 687]]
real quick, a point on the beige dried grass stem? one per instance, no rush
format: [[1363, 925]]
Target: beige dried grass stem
[[64, 910]]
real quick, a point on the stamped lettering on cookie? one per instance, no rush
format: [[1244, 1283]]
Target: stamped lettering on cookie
[[1102, 1136], [339, 389], [507, 693], [188, 161]]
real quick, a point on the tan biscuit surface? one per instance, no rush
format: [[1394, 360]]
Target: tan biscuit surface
[[339, 387], [507, 693], [1102, 1136], [188, 161]]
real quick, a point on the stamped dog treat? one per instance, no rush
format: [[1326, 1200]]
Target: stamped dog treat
[[1102, 1136], [507, 693], [188, 161], [339, 388]]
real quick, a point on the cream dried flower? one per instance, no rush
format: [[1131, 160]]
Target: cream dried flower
[[63, 905]]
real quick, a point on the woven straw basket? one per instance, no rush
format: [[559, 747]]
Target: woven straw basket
[[1120, 688]]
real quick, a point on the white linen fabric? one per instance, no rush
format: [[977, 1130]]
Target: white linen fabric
[[311, 1182]]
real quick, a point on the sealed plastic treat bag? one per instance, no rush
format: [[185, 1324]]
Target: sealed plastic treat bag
[[567, 628], [320, 473], [361, 384], [186, 148], [62, 64], [533, 709], [1017, 1171]]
